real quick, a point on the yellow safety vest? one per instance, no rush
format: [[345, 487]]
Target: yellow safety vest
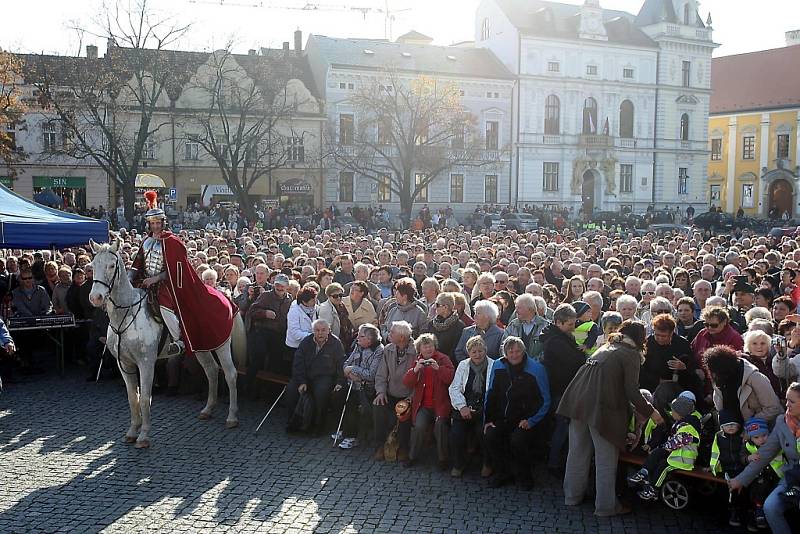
[[776, 464], [648, 430], [684, 457], [582, 332]]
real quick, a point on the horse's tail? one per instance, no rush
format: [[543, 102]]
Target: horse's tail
[[239, 342]]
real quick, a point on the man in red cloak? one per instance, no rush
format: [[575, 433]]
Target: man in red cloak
[[198, 317]]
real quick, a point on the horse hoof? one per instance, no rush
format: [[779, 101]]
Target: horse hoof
[[130, 439], [204, 416], [144, 444], [231, 424]]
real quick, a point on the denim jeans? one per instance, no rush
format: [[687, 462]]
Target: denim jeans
[[558, 442], [775, 510]]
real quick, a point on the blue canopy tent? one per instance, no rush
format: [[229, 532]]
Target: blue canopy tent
[[28, 225]]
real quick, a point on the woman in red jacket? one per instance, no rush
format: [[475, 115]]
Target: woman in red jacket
[[429, 376]]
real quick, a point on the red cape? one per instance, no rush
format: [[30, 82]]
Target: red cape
[[206, 315]]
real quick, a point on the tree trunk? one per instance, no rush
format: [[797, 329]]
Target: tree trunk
[[129, 199], [245, 204], [406, 207]]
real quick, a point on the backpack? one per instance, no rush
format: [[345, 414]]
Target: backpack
[[303, 416]]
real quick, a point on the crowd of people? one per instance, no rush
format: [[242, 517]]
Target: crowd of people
[[505, 352]]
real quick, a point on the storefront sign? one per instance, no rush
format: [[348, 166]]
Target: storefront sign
[[60, 181], [295, 186], [208, 191], [7, 181]]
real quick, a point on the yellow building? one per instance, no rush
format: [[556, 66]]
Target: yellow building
[[753, 125]]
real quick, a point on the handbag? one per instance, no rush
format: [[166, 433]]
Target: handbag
[[303, 416]]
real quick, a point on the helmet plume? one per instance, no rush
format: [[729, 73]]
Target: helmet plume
[[152, 199]]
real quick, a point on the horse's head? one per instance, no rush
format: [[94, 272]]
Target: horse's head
[[107, 271]]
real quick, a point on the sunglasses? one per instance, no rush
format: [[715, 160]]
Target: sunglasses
[[713, 325], [648, 292], [336, 296]]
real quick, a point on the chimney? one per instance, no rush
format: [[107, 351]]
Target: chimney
[[251, 52], [298, 41], [91, 52], [793, 38], [286, 48]]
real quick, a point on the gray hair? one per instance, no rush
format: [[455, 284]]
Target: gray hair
[[319, 322], [659, 305], [541, 305], [370, 330], [401, 327], [514, 340], [752, 335], [593, 297], [627, 299], [487, 308], [564, 313], [526, 300], [765, 325], [425, 339], [758, 312]]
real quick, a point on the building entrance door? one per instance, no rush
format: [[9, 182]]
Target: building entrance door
[[780, 198], [587, 193]]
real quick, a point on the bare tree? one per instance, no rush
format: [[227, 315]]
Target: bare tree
[[11, 110], [406, 133], [246, 126], [108, 108]]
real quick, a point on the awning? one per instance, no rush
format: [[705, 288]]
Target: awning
[[150, 180]]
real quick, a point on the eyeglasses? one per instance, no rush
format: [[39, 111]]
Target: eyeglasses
[[713, 325], [26, 278], [648, 292], [336, 296]]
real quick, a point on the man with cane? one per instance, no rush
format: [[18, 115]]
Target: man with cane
[[317, 365]]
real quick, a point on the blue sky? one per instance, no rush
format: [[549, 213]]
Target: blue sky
[[43, 25]]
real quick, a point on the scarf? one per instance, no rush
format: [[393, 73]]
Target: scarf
[[311, 312], [440, 325], [479, 378], [794, 425]]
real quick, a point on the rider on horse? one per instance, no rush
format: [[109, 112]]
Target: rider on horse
[[198, 317]]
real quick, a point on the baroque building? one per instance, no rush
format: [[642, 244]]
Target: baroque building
[[610, 109], [753, 126]]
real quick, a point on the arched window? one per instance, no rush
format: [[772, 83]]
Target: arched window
[[552, 116], [485, 29], [626, 119], [589, 116], [685, 127]]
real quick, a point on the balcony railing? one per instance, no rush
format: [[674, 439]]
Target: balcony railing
[[599, 141], [626, 142], [551, 139]]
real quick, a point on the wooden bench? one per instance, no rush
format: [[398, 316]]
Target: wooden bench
[[700, 473], [266, 376]]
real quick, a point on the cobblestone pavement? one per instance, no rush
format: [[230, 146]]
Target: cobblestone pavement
[[65, 468]]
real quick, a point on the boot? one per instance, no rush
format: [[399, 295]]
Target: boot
[[379, 454]]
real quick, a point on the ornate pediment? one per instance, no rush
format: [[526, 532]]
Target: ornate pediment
[[687, 99]]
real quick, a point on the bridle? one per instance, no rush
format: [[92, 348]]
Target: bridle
[[122, 327]]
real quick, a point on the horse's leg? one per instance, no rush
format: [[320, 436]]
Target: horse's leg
[[226, 360], [128, 371], [146, 373], [211, 369]]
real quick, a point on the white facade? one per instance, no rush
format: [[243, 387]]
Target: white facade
[[599, 168], [487, 99]]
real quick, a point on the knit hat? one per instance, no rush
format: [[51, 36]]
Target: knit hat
[[688, 395], [580, 307], [682, 406], [727, 417], [756, 426]]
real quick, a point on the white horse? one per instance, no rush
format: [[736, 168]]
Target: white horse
[[133, 339]]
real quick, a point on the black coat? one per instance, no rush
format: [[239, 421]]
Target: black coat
[[561, 357], [309, 364], [447, 339], [655, 368]]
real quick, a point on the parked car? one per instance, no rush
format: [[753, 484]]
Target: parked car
[[714, 221], [674, 228], [522, 222], [344, 220], [780, 232], [606, 217]]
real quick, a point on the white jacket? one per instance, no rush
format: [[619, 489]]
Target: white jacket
[[298, 325], [786, 368], [459, 383]]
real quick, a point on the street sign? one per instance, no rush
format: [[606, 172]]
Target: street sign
[[173, 194]]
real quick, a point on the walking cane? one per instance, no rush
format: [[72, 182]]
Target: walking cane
[[339, 428], [100, 367], [270, 409]]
